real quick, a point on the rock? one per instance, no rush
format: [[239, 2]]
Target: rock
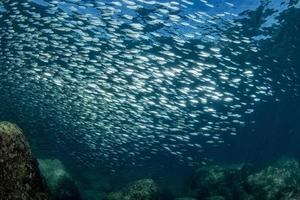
[[19, 174], [227, 182], [280, 181], [59, 181], [144, 189]]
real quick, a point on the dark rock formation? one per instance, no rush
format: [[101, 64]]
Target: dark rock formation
[[280, 181], [216, 182], [59, 181], [19, 174], [144, 189]]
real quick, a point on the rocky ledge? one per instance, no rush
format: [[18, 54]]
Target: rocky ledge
[[279, 181], [19, 174]]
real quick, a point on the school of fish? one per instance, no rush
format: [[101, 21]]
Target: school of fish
[[129, 78]]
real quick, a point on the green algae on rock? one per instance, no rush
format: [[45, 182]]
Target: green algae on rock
[[19, 174], [217, 182], [60, 183], [279, 181], [144, 189]]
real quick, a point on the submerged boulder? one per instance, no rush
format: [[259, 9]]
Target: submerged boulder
[[217, 182], [280, 181], [59, 181], [144, 189], [19, 174]]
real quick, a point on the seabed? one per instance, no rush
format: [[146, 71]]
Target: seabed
[[24, 177]]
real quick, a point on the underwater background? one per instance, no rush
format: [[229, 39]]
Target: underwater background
[[129, 89]]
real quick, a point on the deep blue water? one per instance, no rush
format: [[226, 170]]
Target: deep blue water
[[152, 89]]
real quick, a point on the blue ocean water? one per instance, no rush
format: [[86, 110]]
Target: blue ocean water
[[135, 88]]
